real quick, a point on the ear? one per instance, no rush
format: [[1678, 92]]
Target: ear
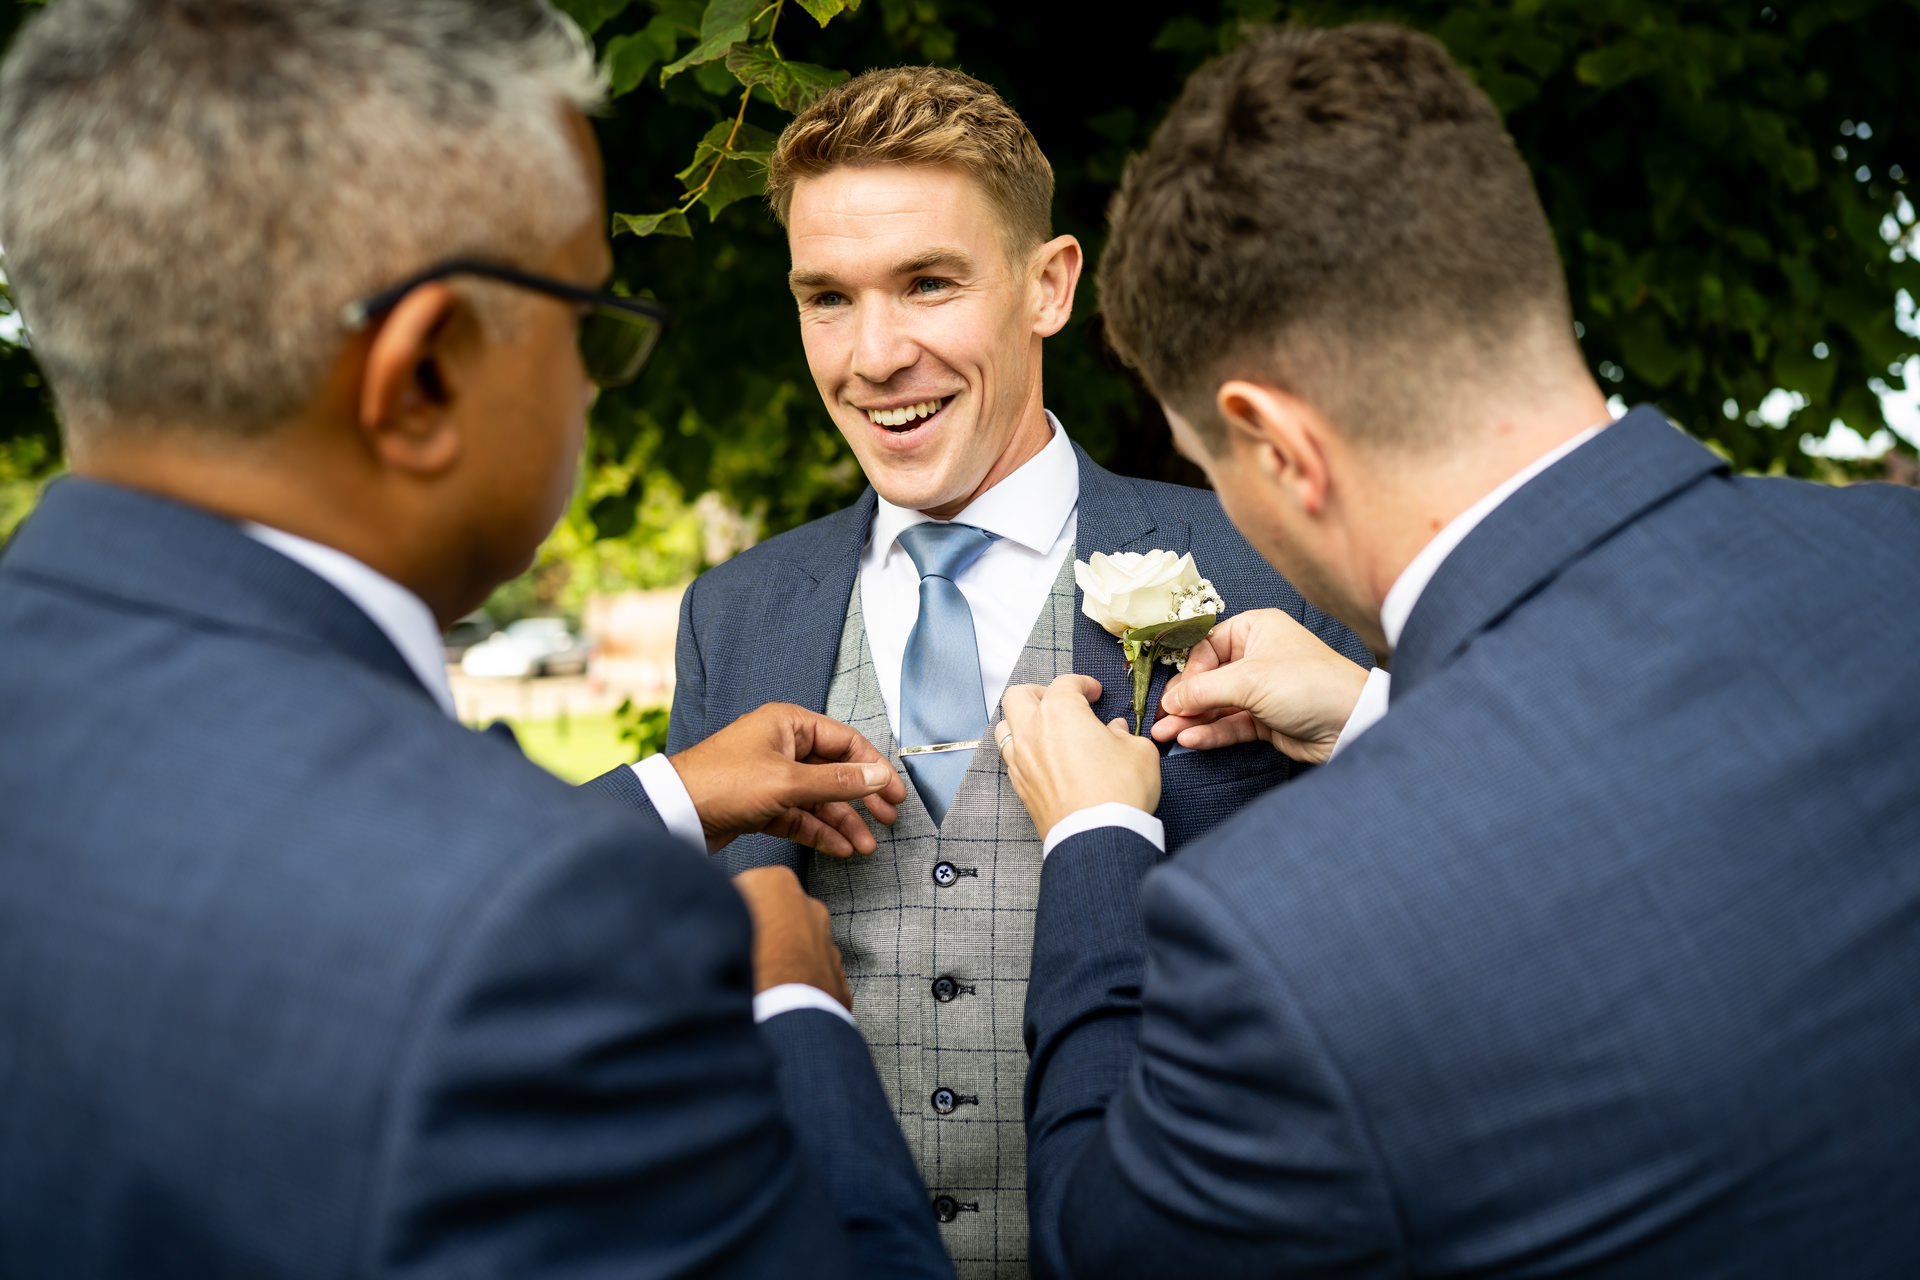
[[408, 387], [1282, 435], [1055, 273]]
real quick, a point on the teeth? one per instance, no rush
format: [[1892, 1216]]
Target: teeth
[[901, 417]]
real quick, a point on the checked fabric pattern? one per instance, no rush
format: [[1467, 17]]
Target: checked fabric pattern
[[936, 931]]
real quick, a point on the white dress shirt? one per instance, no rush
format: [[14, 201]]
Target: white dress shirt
[[1035, 512], [401, 616], [1407, 589], [1395, 609], [407, 622]]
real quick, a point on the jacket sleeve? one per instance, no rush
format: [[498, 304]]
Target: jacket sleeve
[[586, 1094], [1192, 1124], [847, 1133], [687, 723]]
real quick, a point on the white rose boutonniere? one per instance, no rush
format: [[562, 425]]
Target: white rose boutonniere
[[1156, 604]]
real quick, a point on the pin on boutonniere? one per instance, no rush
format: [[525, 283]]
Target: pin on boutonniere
[[1156, 604]]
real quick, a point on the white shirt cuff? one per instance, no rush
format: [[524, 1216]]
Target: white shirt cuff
[[1367, 709], [789, 996], [1110, 814], [670, 800]]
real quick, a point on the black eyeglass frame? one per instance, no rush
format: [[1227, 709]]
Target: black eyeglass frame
[[357, 315]]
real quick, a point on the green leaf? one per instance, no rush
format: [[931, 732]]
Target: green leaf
[[793, 85], [1611, 65], [824, 11], [1647, 350], [630, 57], [591, 15], [733, 181], [673, 222], [726, 142], [725, 24], [1182, 633]]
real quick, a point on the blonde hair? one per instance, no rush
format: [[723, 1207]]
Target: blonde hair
[[921, 116]]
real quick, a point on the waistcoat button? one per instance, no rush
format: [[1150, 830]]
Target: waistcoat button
[[946, 1208], [944, 874], [945, 989], [943, 1101]]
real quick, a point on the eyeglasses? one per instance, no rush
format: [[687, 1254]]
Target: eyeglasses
[[616, 334]]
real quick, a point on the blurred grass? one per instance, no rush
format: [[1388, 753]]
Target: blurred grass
[[577, 747]]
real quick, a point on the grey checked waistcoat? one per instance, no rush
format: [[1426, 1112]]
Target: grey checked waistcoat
[[936, 929]]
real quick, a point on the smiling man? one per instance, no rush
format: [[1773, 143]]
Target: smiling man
[[927, 277]]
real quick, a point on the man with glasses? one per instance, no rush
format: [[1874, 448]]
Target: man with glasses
[[300, 978]]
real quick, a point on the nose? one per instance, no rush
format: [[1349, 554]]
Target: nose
[[882, 347]]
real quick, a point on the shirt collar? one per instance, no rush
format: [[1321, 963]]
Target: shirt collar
[[1029, 507], [401, 615], [1405, 592]]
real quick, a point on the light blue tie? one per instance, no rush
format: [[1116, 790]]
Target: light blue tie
[[940, 696]]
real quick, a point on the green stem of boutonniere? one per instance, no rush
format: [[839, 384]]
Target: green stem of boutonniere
[[1144, 646]]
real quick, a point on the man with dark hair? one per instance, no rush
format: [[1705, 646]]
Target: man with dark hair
[[298, 977], [1594, 954]]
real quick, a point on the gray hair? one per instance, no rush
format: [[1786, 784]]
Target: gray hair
[[192, 190]]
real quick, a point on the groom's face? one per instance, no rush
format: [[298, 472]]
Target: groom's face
[[919, 328]]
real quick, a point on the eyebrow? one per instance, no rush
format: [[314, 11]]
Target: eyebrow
[[952, 260]]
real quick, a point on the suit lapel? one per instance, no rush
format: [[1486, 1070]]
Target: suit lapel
[[805, 609], [1112, 517], [161, 554], [1553, 519]]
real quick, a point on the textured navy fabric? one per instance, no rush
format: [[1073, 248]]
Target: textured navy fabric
[[765, 627], [1598, 955], [298, 978]]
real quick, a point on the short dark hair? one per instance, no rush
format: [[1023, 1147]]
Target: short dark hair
[[1339, 212]]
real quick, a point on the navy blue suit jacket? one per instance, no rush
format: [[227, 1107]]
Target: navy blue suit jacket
[[1600, 954], [299, 978], [766, 625]]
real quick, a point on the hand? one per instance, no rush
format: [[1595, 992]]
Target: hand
[[1261, 675], [1061, 759], [790, 772], [792, 934]]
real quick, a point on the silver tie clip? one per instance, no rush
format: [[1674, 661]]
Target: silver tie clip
[[938, 747]]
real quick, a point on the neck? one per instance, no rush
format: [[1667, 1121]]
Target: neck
[[1411, 497], [280, 480]]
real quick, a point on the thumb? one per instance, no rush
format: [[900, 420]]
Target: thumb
[[1119, 728], [1229, 688], [811, 784]]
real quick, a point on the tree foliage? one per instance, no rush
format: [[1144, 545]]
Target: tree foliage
[[1728, 181]]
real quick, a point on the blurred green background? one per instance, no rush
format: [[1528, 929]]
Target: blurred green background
[[1729, 182]]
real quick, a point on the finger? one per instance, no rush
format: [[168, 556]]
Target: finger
[[1225, 732], [821, 739], [802, 827], [885, 812], [1118, 727], [1168, 727], [883, 804], [1228, 688], [1020, 703], [806, 785], [848, 822], [1086, 686], [1210, 653]]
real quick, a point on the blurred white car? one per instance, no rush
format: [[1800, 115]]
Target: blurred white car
[[529, 647]]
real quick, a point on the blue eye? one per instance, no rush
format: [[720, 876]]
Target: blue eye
[[929, 284]]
